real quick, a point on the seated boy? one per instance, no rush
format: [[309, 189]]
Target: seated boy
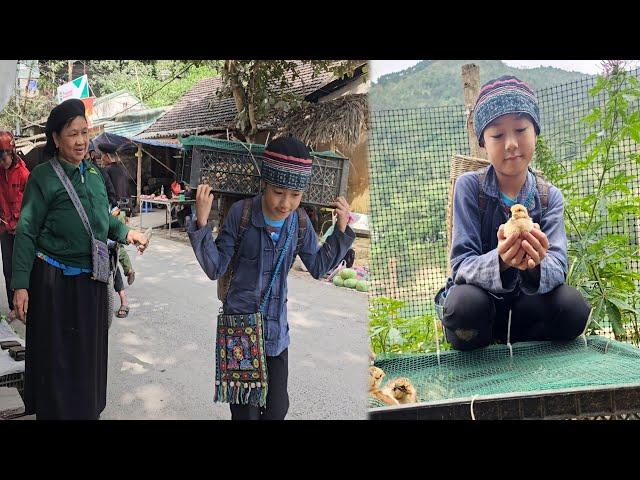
[[524, 273]]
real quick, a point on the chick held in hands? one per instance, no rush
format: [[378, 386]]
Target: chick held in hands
[[519, 222]]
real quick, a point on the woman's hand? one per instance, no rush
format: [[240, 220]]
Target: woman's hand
[[203, 204], [21, 303], [342, 211], [138, 239]]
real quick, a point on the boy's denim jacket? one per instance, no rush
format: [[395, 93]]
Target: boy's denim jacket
[[474, 254], [257, 257]]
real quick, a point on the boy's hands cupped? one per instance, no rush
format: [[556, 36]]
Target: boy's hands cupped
[[342, 211], [204, 201], [522, 250], [535, 244], [509, 249]]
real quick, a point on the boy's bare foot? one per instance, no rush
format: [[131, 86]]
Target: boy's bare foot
[[12, 316]]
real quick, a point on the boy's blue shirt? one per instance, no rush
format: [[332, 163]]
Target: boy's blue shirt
[[257, 257], [475, 259], [274, 227]]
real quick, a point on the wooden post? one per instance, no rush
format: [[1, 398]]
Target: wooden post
[[471, 88], [139, 183], [70, 67]]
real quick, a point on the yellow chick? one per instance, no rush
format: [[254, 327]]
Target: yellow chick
[[402, 390], [375, 377], [519, 221]]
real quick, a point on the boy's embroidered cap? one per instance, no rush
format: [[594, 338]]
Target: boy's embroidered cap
[[501, 96], [287, 163]]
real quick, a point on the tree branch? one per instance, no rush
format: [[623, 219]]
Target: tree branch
[[231, 70]]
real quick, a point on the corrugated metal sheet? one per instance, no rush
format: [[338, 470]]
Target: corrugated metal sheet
[[128, 129], [133, 123]]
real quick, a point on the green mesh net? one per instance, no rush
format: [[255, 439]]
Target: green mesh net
[[235, 146], [534, 367]]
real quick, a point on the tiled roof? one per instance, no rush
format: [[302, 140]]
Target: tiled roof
[[201, 109]]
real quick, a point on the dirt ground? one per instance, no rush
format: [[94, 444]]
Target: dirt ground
[[362, 246]]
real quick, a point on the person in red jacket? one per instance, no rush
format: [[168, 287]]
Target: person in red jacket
[[13, 178]]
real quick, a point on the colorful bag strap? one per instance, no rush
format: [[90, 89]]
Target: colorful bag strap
[[274, 275], [224, 282], [72, 194]]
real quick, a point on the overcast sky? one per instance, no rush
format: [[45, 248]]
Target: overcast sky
[[382, 67]]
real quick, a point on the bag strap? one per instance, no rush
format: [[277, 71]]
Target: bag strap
[[274, 275], [543, 191], [244, 225], [66, 182], [302, 230], [482, 197]]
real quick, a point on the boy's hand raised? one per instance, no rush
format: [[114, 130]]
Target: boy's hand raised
[[342, 211], [204, 200]]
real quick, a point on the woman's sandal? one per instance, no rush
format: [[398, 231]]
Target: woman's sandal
[[123, 311]]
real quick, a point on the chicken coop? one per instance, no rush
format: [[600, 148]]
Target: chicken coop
[[410, 154], [233, 170]]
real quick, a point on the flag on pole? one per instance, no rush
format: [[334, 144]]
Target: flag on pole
[[77, 88]]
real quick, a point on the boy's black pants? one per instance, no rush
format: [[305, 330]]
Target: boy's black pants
[[277, 395], [473, 318]]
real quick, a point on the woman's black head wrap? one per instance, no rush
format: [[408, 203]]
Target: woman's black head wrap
[[58, 118]]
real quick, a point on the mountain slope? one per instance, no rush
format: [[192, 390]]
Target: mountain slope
[[433, 83]]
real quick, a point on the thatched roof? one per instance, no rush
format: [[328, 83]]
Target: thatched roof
[[339, 121]]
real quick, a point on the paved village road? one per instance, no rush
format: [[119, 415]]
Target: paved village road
[[161, 358]]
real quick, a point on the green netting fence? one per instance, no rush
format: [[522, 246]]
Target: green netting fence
[[534, 367], [410, 152]]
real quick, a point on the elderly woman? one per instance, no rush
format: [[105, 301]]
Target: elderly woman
[[65, 308]]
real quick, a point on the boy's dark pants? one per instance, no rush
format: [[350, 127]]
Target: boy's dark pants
[[277, 395], [473, 318], [6, 244]]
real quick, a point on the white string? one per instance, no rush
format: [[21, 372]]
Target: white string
[[435, 331], [473, 399], [509, 335], [584, 332]]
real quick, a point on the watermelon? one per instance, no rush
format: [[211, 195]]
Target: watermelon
[[338, 281], [348, 273], [362, 286], [350, 283]]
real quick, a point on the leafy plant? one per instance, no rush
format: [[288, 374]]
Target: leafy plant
[[389, 332], [599, 261]]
